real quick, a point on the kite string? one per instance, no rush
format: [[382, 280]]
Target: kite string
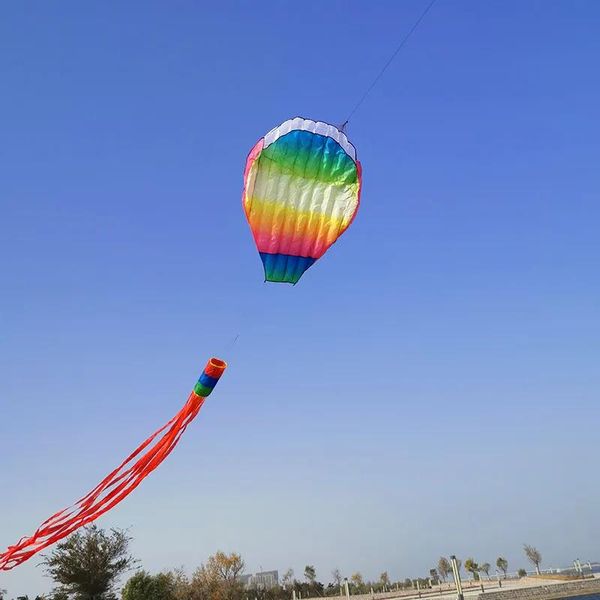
[[389, 62], [246, 321]]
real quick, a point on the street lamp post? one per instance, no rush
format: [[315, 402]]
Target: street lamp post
[[457, 581]]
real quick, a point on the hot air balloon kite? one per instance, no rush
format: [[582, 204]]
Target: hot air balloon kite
[[301, 192]]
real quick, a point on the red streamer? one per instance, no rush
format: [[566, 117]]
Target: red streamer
[[109, 492]]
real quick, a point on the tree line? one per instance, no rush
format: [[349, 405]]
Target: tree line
[[90, 564], [444, 568]]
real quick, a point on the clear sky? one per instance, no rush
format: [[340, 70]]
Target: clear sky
[[431, 385]]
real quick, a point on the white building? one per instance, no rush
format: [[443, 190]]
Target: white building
[[263, 580]]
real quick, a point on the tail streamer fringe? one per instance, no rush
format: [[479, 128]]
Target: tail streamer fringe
[[121, 482]]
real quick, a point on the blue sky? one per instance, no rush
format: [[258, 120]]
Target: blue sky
[[430, 387]]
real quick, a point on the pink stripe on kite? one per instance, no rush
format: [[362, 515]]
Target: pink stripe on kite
[[274, 242]]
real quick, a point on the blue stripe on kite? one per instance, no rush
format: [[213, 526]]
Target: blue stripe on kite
[[207, 380], [285, 267]]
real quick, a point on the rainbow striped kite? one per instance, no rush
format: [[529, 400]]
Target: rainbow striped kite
[[301, 192]]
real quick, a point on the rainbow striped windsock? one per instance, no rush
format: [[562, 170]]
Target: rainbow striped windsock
[[215, 367]]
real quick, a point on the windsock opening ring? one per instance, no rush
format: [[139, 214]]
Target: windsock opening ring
[[218, 363]]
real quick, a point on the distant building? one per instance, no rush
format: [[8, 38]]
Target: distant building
[[266, 579], [244, 580], [262, 580]]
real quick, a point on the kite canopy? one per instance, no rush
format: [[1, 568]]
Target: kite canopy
[[301, 192]]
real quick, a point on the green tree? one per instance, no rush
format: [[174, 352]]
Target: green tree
[[310, 574], [502, 564], [337, 577], [522, 573], [444, 568], [485, 568], [88, 564], [143, 586], [2, 592], [384, 579], [287, 578], [358, 581], [472, 567], [534, 556], [433, 574]]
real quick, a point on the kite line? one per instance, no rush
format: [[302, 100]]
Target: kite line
[[389, 62]]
